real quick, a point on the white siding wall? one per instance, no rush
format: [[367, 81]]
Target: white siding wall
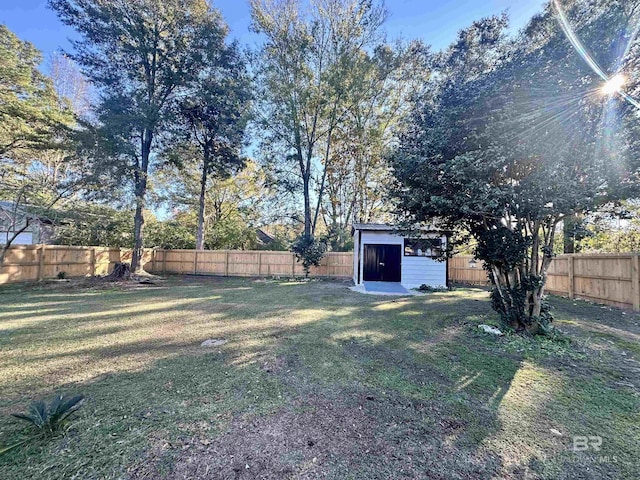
[[415, 270], [356, 255]]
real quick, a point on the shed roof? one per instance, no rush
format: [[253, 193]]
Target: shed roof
[[372, 226], [385, 227]]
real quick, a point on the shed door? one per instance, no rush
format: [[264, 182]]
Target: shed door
[[382, 263]]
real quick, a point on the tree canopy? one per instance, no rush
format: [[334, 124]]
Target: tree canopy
[[509, 140], [141, 56]]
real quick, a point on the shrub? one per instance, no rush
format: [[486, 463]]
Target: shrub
[[429, 289], [309, 251], [62, 275]]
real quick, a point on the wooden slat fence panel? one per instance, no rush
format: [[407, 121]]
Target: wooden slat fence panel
[[460, 271], [37, 262], [246, 263], [610, 279]]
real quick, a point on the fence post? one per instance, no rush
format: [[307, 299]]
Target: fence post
[[92, 265], [293, 265], [154, 255], [41, 262], [259, 263], [635, 281], [195, 262], [571, 274], [226, 263]]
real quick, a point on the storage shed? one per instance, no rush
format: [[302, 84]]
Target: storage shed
[[381, 254]]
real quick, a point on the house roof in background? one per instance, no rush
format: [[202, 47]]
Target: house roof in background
[[26, 210], [263, 237]]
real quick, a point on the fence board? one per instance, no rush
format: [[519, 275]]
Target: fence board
[[610, 279], [246, 263]]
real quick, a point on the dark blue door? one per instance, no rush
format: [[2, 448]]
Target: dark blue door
[[381, 263]]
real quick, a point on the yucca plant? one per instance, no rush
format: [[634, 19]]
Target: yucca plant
[[48, 418], [52, 417]]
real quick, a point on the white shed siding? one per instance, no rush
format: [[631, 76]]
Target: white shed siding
[[356, 255], [423, 270], [415, 270]]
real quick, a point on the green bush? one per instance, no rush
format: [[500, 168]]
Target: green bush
[[309, 251]]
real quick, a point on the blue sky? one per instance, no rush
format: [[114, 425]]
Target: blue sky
[[434, 21]]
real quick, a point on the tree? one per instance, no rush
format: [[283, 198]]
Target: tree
[[358, 173], [305, 71], [141, 55], [31, 116], [36, 125], [173, 233], [508, 143], [215, 116], [309, 251], [234, 207], [86, 223]]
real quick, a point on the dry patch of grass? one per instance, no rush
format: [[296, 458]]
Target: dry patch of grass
[[315, 381]]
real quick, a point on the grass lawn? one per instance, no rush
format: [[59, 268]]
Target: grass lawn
[[315, 382]]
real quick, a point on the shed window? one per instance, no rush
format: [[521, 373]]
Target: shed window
[[422, 247]]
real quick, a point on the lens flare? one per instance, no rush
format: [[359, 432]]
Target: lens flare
[[614, 84]]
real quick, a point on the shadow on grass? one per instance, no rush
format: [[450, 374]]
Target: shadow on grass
[[315, 381]]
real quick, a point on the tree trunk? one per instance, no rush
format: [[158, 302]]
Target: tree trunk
[[121, 271], [201, 204], [140, 193], [519, 299], [307, 205], [322, 183], [568, 234]]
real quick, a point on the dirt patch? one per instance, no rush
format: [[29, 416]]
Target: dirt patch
[[358, 435]]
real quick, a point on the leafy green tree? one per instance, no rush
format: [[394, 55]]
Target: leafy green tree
[[358, 173], [174, 233], [38, 168], [214, 116], [86, 223], [31, 114], [508, 142], [305, 72], [234, 206], [308, 250], [141, 56]]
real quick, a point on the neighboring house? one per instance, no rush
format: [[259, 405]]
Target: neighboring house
[[263, 238], [380, 254], [12, 219]]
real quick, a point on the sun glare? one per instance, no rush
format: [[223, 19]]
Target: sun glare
[[614, 85]]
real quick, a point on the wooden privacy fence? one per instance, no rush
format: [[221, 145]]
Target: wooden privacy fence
[[38, 262], [461, 271], [611, 279], [246, 263]]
